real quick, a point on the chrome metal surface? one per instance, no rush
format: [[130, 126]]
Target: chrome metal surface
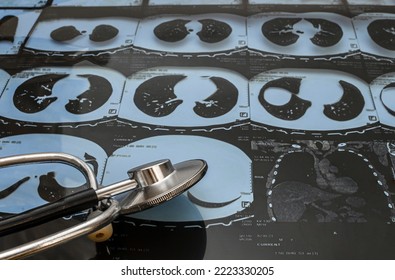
[[53, 157], [52, 240], [117, 188], [183, 176], [151, 173], [149, 185]]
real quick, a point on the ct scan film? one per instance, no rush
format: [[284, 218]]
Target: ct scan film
[[297, 99], [290, 103]]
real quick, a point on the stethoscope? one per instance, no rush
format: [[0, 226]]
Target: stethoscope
[[148, 185]]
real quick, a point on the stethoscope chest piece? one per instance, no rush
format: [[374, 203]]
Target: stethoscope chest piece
[[161, 181], [146, 186]]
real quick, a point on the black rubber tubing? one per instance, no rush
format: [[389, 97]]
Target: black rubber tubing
[[65, 206]]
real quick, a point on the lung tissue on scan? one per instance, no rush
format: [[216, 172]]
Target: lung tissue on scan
[[388, 107], [156, 98], [294, 109], [50, 190], [172, 31], [280, 31], [220, 102], [382, 31], [103, 32], [35, 94], [99, 92], [328, 34], [65, 33], [8, 26], [213, 31], [349, 106], [10, 189]]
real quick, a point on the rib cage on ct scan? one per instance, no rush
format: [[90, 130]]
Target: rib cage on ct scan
[[69, 36], [322, 189], [92, 95], [202, 33], [376, 33], [301, 34], [168, 97], [338, 100]]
